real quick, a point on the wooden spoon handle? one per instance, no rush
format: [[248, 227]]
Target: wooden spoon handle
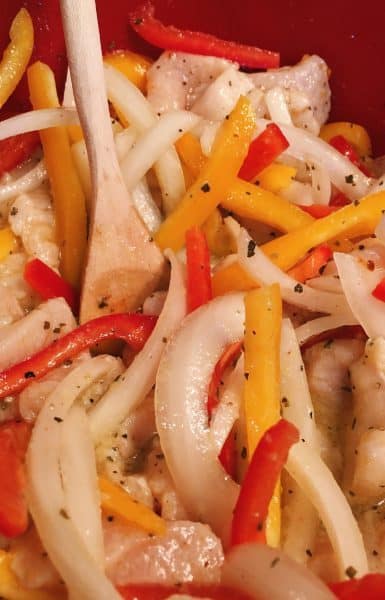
[[86, 66]]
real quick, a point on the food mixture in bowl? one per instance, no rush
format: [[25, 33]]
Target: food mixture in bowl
[[198, 412]]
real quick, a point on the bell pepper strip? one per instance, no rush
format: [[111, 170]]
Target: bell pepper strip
[[318, 211], [201, 199], [190, 151], [142, 20], [350, 221], [133, 66], [48, 284], [379, 290], [356, 135], [262, 374], [132, 328], [232, 278], [345, 332], [310, 266], [68, 197], [15, 150], [12, 589], [17, 54], [263, 151], [8, 242], [339, 200], [369, 587], [276, 177], [117, 502], [157, 591], [340, 143], [228, 455], [219, 238], [269, 457], [14, 439], [198, 269]]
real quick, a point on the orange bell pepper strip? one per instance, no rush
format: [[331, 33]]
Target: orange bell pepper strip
[[310, 266], [8, 242], [16, 55], [232, 278], [190, 151], [198, 269], [133, 66], [220, 240], [68, 197], [201, 199]]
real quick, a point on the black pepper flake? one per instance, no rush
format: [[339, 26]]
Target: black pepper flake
[[29, 375], [205, 187], [251, 248], [124, 436], [309, 552], [103, 302], [110, 518], [350, 179], [328, 343], [370, 265], [298, 288], [354, 423], [246, 375], [63, 513], [56, 330], [14, 211], [274, 562], [351, 493], [138, 21], [46, 325], [351, 572], [374, 552], [58, 419], [260, 526], [244, 452], [285, 401]]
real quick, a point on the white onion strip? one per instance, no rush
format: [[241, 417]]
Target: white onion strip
[[358, 283], [125, 394], [46, 497], [321, 183], [264, 271], [78, 469], [138, 112], [306, 146], [35, 120], [146, 206], [26, 183], [268, 574], [277, 106], [207, 492], [316, 326], [317, 482], [153, 143]]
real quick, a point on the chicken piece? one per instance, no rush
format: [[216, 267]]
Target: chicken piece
[[186, 552], [365, 438], [35, 331], [16, 297], [327, 366], [177, 79], [10, 309], [372, 525], [307, 87]]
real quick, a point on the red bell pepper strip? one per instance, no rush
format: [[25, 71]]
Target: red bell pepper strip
[[132, 328], [318, 211], [311, 265], [198, 269], [15, 150], [142, 20], [258, 485], [345, 332], [379, 290], [339, 200], [263, 151], [48, 284], [161, 592], [370, 587], [14, 439], [344, 147]]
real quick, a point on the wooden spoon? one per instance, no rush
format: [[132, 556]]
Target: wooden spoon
[[123, 264]]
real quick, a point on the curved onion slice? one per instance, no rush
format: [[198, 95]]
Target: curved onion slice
[[47, 501], [188, 362], [137, 110], [317, 482], [78, 469], [35, 120], [321, 184], [26, 183], [325, 283], [358, 283], [268, 574], [277, 106], [317, 326], [306, 146], [134, 385], [260, 267], [146, 206]]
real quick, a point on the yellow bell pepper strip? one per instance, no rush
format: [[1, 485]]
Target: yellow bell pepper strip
[[350, 221], [190, 151], [11, 588], [219, 239], [355, 134], [253, 202], [276, 177], [262, 400], [117, 502], [232, 278], [8, 242], [16, 55], [68, 197], [201, 199], [133, 66]]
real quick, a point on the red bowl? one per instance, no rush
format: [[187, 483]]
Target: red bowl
[[348, 35]]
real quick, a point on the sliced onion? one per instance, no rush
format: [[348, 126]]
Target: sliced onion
[[133, 386], [26, 183], [326, 283], [267, 574], [299, 193], [321, 183], [358, 283], [137, 110], [316, 326], [306, 146], [317, 482], [153, 143], [277, 106], [208, 135], [80, 484], [264, 271], [35, 120], [146, 206], [153, 304], [46, 496], [206, 491]]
